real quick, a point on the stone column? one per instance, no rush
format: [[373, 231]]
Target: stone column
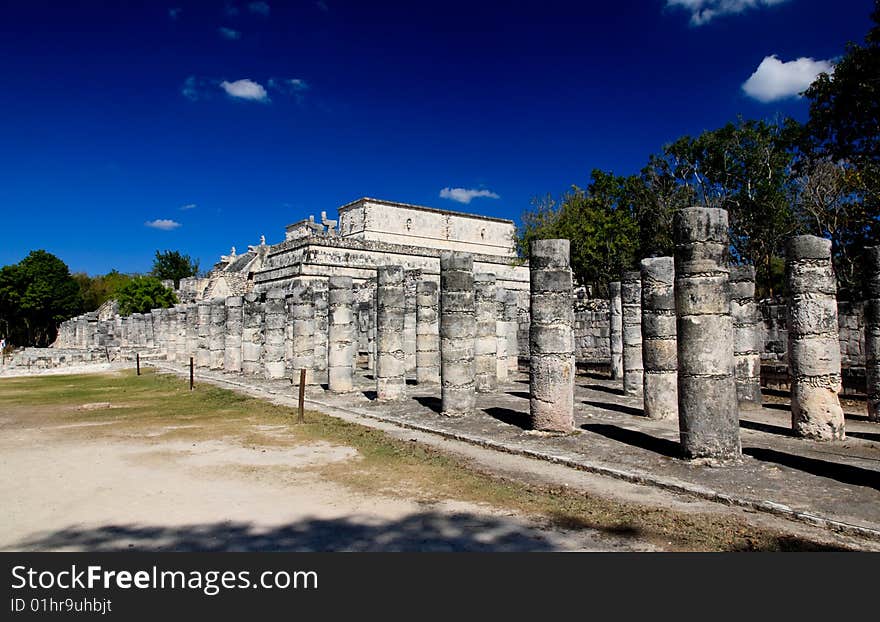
[[746, 334], [232, 344], [631, 303], [872, 334], [410, 287], [171, 334], [551, 337], [203, 350], [320, 296], [217, 333], [252, 315], [192, 331], [511, 321], [301, 305], [458, 329], [658, 338], [427, 333], [485, 344], [92, 338], [390, 353], [813, 346], [181, 354], [615, 313], [340, 335], [501, 365], [273, 334], [707, 407]]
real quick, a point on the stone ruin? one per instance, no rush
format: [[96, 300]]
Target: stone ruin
[[684, 333]]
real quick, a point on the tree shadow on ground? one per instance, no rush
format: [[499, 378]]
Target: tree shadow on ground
[[603, 389], [425, 531], [867, 436], [430, 401], [508, 415], [523, 394], [621, 408], [635, 438], [844, 473]]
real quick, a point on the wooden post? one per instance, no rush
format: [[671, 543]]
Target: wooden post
[[190, 373], [302, 396], [138, 359]]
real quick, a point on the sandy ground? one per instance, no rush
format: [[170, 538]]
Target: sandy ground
[[66, 489]]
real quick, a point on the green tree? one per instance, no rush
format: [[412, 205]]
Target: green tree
[[99, 289], [143, 293], [36, 295], [173, 265], [599, 223], [839, 165]]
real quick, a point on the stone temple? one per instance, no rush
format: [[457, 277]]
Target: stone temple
[[368, 233]]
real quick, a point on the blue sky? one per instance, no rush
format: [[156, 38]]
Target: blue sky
[[219, 122]]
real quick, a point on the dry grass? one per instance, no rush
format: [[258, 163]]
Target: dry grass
[[387, 466]]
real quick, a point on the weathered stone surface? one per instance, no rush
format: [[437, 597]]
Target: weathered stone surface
[[511, 328], [501, 328], [300, 332], [457, 333], [217, 334], [203, 349], [813, 340], [551, 337], [707, 405], [253, 314], [274, 323], [320, 296], [747, 336], [631, 321], [659, 344], [234, 316], [390, 320], [872, 334], [341, 334], [486, 341], [615, 336], [411, 280], [427, 333]]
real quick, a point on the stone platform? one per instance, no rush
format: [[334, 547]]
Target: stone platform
[[835, 485]]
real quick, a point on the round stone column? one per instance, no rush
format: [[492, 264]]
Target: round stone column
[[427, 333], [615, 332], [458, 329], [340, 335], [252, 316], [203, 350], [217, 336], [182, 354], [551, 337], [511, 323], [301, 324], [631, 302], [320, 356], [813, 345], [746, 335], [872, 334], [234, 329], [485, 344], [273, 334], [501, 364], [659, 345], [192, 331], [707, 406], [390, 350]]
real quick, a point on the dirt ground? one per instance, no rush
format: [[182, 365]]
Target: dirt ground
[[112, 462]]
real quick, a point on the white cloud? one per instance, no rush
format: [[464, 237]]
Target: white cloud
[[229, 33], [174, 13], [193, 88], [775, 79], [466, 195], [704, 11], [245, 89], [162, 223], [188, 206], [260, 8]]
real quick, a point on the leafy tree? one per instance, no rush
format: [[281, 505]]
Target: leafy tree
[[173, 265], [143, 293], [99, 289], [36, 295], [599, 223]]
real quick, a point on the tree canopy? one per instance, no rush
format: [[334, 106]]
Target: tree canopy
[[173, 266], [142, 294], [36, 295]]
